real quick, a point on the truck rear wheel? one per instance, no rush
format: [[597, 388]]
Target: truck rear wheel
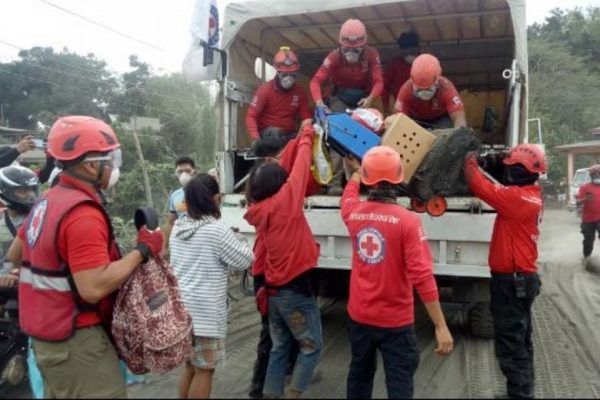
[[480, 321]]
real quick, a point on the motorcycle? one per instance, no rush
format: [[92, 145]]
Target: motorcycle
[[13, 343]]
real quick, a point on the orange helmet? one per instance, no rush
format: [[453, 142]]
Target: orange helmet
[[529, 155], [381, 163], [286, 60], [425, 71], [353, 34], [73, 136]]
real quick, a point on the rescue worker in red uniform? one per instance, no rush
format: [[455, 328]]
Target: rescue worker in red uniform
[[278, 103], [512, 258], [269, 150], [71, 265], [354, 71], [397, 71], [589, 197], [430, 98], [390, 257]]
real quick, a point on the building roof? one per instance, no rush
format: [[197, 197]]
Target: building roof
[[589, 147]]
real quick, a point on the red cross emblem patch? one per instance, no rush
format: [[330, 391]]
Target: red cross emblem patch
[[371, 246], [36, 223]]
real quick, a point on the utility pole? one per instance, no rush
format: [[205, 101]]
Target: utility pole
[[138, 148]]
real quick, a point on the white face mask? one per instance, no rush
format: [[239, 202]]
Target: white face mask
[[409, 58], [287, 82], [352, 57], [115, 174], [184, 178], [596, 181], [425, 95]]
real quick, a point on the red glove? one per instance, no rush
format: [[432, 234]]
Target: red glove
[[149, 243]]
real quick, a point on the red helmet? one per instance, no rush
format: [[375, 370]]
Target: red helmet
[[381, 163], [529, 155], [370, 118], [353, 34], [286, 60], [425, 71], [595, 170], [73, 136]]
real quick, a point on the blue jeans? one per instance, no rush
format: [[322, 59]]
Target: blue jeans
[[292, 316], [398, 347]]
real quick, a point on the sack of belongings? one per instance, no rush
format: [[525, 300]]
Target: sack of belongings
[[441, 172]]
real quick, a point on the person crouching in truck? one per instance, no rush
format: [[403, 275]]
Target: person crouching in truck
[[270, 151], [390, 256], [357, 80], [430, 98], [589, 197], [397, 71], [71, 264], [276, 210], [277, 103], [512, 258]]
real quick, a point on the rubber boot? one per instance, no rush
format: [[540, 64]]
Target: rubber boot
[[335, 186]]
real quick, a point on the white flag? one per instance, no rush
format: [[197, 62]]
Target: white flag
[[205, 29]]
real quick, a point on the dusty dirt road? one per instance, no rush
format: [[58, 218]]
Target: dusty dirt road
[[566, 322]]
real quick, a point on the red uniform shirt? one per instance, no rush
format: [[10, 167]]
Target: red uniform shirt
[[446, 100], [273, 106], [288, 157], [591, 207], [390, 257], [82, 241], [365, 74], [394, 75], [516, 230], [290, 248]]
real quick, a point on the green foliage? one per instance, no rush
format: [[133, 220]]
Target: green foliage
[[564, 81]]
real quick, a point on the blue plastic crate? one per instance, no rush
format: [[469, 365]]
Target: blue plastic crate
[[347, 136]]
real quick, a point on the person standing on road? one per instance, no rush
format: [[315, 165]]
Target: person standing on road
[[185, 170], [71, 265], [390, 257], [277, 104], [430, 98], [203, 252], [397, 71], [356, 77], [589, 197], [276, 210], [513, 254], [269, 149]]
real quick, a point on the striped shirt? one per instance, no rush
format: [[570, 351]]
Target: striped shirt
[[203, 252]]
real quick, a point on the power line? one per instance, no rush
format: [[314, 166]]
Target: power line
[[91, 21]]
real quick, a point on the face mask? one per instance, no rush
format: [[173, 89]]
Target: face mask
[[596, 181], [115, 174], [287, 82], [425, 95], [184, 178], [352, 57], [409, 58]]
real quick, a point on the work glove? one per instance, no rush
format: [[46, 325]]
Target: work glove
[[149, 243]]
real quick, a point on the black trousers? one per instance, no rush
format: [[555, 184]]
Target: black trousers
[[398, 347], [263, 349], [589, 229], [512, 332]]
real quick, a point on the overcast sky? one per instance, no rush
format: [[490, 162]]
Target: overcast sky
[[159, 28]]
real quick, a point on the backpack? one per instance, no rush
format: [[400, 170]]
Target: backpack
[[152, 329]]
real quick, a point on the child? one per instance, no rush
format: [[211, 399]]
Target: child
[[203, 251]]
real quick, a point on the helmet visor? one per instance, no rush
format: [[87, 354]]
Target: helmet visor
[[114, 157]]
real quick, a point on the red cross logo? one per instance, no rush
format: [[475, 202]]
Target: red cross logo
[[370, 246], [37, 222]]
